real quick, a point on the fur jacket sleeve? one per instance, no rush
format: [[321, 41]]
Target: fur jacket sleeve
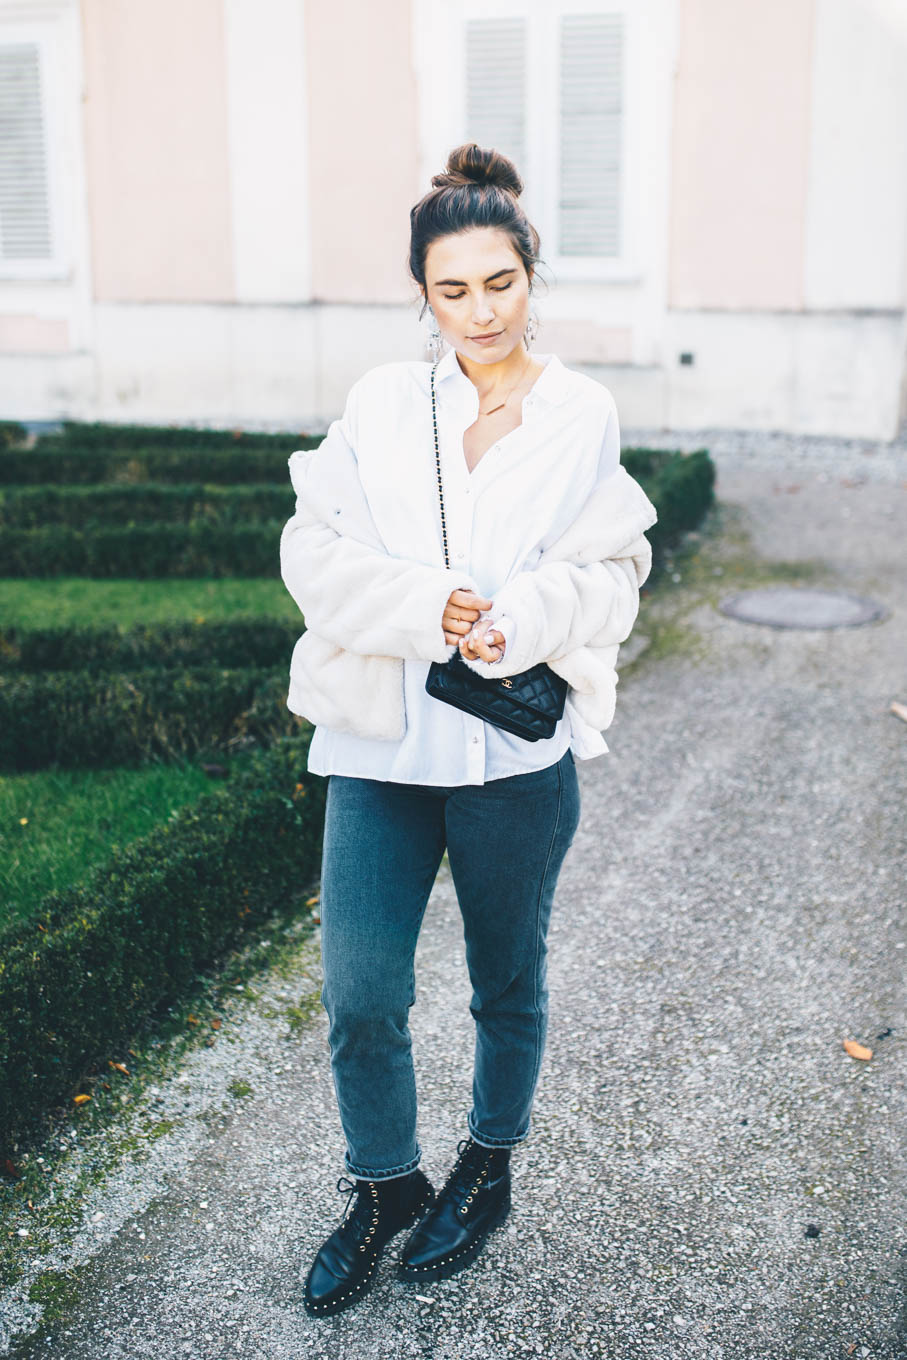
[[365, 611]]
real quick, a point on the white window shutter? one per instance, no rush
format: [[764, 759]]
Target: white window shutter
[[591, 59], [496, 86], [25, 230]]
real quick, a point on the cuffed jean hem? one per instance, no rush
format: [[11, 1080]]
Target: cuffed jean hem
[[364, 1173], [485, 1141]]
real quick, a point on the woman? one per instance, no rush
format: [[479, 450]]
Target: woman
[[544, 534]]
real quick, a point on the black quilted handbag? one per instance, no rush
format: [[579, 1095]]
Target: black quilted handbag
[[528, 704]]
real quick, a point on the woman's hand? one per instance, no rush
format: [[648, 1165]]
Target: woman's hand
[[483, 642], [461, 612], [463, 624]]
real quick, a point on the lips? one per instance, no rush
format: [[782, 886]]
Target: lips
[[492, 336]]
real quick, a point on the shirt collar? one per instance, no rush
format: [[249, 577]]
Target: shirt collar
[[552, 385]]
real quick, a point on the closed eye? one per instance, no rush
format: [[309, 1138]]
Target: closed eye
[[452, 297]]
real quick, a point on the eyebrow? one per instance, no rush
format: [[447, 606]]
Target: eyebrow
[[460, 283]]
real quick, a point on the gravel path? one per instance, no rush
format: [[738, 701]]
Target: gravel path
[[709, 1174]]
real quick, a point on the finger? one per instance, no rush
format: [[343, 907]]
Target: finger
[[477, 650], [470, 599], [455, 625], [461, 611]]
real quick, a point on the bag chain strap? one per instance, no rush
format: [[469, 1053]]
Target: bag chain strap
[[438, 464]]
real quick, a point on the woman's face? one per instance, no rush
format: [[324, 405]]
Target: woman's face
[[476, 283]]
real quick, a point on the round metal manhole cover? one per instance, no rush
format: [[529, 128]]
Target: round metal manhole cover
[[795, 607]]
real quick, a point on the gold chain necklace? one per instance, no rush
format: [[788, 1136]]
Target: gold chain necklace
[[492, 409]]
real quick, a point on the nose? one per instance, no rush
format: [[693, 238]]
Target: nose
[[482, 312]]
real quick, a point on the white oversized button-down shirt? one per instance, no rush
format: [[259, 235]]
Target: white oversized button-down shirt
[[518, 499]]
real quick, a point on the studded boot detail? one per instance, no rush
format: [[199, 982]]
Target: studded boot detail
[[344, 1266], [474, 1200]]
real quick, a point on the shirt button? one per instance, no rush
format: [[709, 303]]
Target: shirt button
[[474, 740], [460, 556]]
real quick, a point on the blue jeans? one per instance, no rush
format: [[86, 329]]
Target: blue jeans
[[383, 844]]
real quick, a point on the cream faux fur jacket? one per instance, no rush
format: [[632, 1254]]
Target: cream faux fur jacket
[[365, 611]]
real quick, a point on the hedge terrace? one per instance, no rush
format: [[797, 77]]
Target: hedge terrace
[[83, 967]]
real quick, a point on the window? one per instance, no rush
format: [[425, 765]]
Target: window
[[590, 52], [546, 82], [31, 245]]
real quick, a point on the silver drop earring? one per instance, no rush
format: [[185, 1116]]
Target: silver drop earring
[[434, 336], [532, 328]]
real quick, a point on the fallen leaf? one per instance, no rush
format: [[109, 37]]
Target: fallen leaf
[[80, 1100], [857, 1050], [899, 710], [191, 1019], [311, 901], [9, 1168], [216, 1024], [120, 1068]]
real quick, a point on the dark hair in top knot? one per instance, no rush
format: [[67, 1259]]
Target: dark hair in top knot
[[480, 187], [472, 164]]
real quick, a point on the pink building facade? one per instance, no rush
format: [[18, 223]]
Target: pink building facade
[[204, 207]]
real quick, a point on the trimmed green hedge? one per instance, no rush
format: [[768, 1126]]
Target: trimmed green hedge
[[681, 486], [79, 434], [113, 504], [79, 977], [117, 718], [145, 551], [218, 642], [11, 434], [221, 466]]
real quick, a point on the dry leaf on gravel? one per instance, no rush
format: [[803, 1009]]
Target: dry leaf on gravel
[[857, 1050]]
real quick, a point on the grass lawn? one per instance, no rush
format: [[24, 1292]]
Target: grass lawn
[[59, 600], [55, 825]]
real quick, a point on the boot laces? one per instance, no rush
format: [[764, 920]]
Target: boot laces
[[468, 1173], [359, 1222]]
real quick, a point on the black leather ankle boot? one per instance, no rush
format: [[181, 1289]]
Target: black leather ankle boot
[[343, 1269], [475, 1199]]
